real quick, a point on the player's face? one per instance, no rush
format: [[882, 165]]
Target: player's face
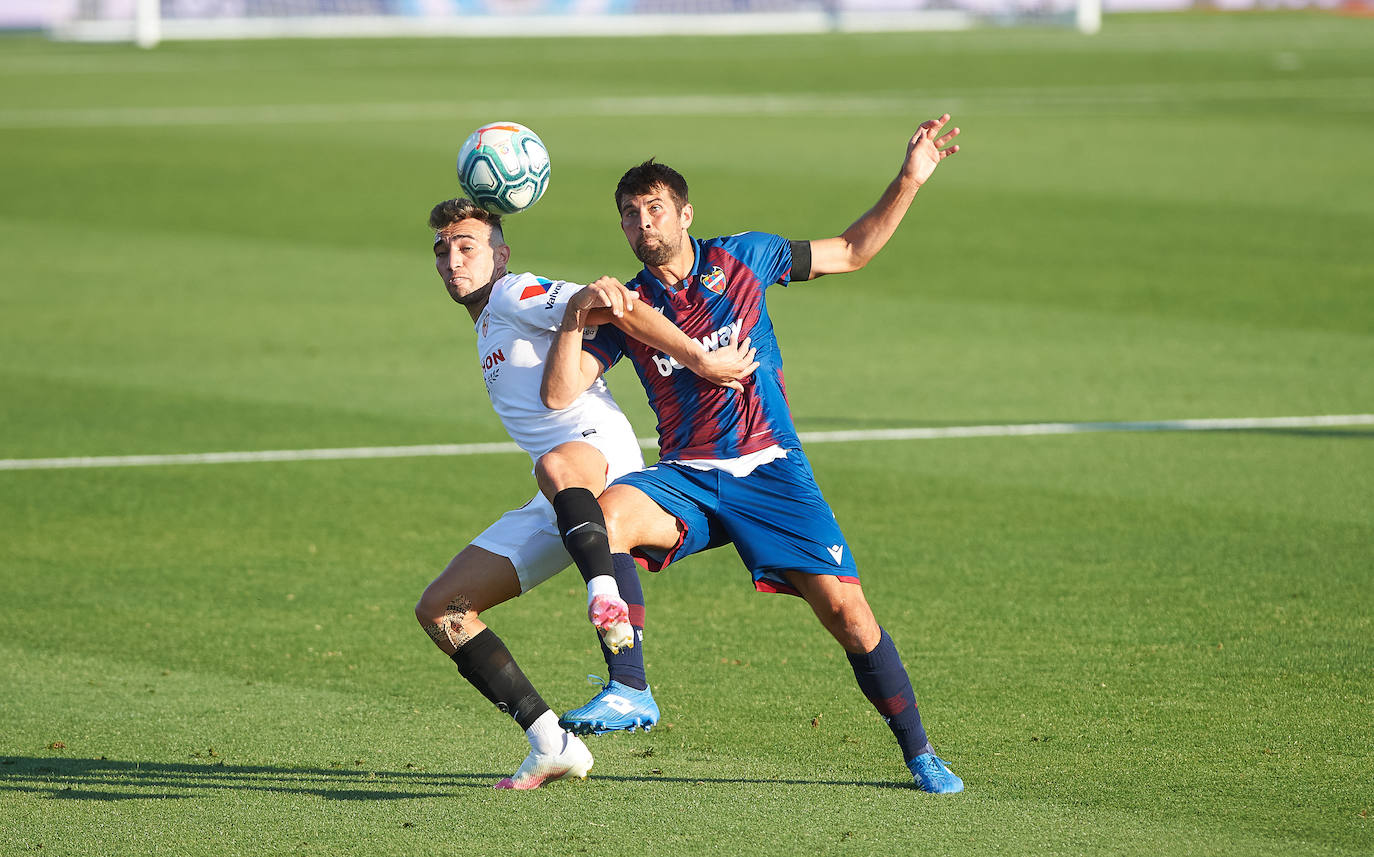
[[467, 261], [655, 227]]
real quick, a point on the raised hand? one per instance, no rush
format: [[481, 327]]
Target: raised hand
[[928, 148]]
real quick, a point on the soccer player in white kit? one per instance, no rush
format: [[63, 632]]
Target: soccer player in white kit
[[577, 451]]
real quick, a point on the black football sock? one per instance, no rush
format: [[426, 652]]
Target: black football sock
[[487, 664], [583, 529], [885, 682], [627, 666]]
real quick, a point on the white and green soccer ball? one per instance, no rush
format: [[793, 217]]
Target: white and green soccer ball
[[504, 167]]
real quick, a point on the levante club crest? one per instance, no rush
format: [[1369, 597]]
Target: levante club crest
[[714, 280]]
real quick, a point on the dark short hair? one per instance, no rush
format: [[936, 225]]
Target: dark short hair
[[450, 211], [649, 175]]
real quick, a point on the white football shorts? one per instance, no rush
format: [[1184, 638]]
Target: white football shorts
[[528, 536]]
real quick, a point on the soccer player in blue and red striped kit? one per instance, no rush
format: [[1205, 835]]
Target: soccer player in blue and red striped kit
[[731, 467]]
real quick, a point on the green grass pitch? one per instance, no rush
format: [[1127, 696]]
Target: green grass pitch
[[1126, 643]]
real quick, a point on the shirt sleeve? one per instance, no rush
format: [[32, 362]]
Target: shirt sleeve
[[606, 343], [770, 257]]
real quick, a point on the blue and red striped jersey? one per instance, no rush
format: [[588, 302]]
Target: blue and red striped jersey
[[721, 301]]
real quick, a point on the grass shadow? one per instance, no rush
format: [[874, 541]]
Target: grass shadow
[[110, 780], [113, 780]]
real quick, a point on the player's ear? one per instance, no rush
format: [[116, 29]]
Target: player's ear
[[685, 216], [502, 255]]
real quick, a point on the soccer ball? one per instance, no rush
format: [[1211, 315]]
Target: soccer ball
[[504, 167]]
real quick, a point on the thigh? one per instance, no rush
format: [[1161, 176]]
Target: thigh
[[528, 539], [780, 522], [663, 513], [475, 580], [633, 519], [575, 464]]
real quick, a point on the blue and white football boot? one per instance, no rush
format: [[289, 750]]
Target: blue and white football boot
[[933, 775], [616, 707]]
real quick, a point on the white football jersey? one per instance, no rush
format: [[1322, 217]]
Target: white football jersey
[[514, 333]]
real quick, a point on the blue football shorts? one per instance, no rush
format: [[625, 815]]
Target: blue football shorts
[[776, 517]]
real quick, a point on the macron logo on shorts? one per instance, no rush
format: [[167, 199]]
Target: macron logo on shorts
[[836, 551]]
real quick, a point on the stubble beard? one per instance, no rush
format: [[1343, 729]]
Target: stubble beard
[[654, 252]]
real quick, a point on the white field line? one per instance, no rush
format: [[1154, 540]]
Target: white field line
[[814, 437], [1354, 92]]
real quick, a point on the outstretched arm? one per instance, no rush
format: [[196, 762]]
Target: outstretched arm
[[858, 244], [569, 371], [727, 366]]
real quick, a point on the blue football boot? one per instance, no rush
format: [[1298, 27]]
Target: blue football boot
[[616, 707], [933, 775]]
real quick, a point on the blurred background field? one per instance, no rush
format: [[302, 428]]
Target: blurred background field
[[1126, 643]]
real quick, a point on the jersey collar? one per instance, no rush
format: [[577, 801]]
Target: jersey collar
[[648, 277]]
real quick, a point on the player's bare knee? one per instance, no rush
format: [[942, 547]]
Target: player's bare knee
[[440, 600], [615, 522], [849, 620], [551, 469], [618, 545], [851, 637], [857, 631], [622, 536], [572, 465], [431, 604], [632, 520], [832, 616], [449, 624]]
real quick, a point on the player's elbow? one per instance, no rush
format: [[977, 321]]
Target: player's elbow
[[846, 267], [840, 256], [555, 399], [854, 260]]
